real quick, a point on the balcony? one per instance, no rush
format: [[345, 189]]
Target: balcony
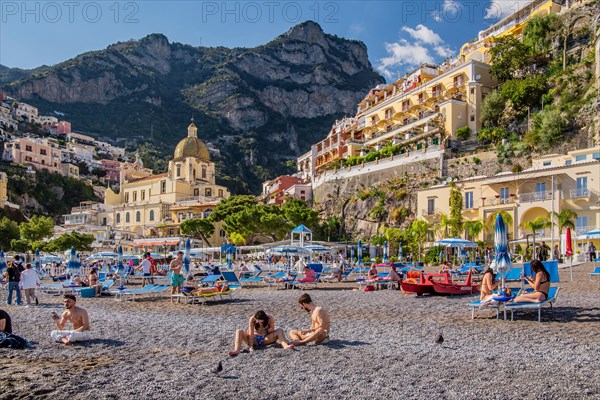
[[197, 199], [498, 201], [430, 212], [580, 193], [535, 196], [471, 207]]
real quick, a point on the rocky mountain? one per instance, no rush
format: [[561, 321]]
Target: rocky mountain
[[259, 107]]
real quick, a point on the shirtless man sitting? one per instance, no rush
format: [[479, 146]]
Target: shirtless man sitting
[[319, 327], [79, 319]]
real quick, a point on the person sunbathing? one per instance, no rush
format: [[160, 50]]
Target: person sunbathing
[[309, 275], [336, 274], [446, 267], [540, 285], [261, 332], [218, 288], [372, 274]]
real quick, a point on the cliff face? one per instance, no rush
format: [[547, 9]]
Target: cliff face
[[279, 97]]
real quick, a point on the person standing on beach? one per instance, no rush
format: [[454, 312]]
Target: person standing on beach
[[29, 282], [146, 267], [14, 278], [320, 324], [79, 319], [177, 277]]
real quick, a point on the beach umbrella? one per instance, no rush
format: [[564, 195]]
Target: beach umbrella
[[351, 255], [120, 266], [455, 242], [400, 251], [501, 262], [186, 257], [594, 234], [73, 265], [37, 260], [385, 253], [569, 250], [359, 255], [229, 259], [3, 265]]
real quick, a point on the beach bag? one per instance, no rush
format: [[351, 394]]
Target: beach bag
[[10, 341], [369, 288]]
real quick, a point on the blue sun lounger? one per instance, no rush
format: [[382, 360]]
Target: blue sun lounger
[[595, 272]]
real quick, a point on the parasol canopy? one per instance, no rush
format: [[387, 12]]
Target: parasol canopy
[[73, 265], [501, 262], [594, 234], [455, 242]]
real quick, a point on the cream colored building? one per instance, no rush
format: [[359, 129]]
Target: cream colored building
[[3, 188], [422, 109], [155, 205], [553, 183]]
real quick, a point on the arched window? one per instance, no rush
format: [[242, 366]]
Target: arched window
[[118, 218], [151, 215], [138, 216], [126, 217]]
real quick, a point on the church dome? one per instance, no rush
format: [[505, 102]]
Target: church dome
[[191, 146]]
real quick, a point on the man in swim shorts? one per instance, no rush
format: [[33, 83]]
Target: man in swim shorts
[[319, 328], [177, 278]]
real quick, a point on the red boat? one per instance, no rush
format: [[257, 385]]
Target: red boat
[[424, 285], [449, 287]]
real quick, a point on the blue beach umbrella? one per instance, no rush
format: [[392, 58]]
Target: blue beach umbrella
[[37, 260], [120, 265], [386, 258], [359, 255], [228, 259], [351, 255], [186, 256], [73, 265], [400, 251], [3, 265], [501, 262]]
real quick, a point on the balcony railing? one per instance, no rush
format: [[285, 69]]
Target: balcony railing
[[495, 201], [579, 193], [430, 212], [535, 196], [197, 199], [580, 230]]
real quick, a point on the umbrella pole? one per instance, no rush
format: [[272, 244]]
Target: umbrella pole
[[571, 268]]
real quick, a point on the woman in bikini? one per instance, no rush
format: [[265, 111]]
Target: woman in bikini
[[487, 284], [540, 285], [261, 332]]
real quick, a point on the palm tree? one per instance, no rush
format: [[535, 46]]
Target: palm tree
[[443, 225], [419, 229], [536, 225], [564, 219], [473, 229]]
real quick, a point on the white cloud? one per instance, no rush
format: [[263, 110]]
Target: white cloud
[[403, 53], [499, 9], [444, 51], [424, 35], [449, 8], [424, 47]]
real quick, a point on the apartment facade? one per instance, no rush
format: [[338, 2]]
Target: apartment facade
[[40, 154], [553, 183], [420, 110]]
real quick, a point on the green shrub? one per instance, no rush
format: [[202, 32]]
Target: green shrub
[[476, 160], [463, 133]]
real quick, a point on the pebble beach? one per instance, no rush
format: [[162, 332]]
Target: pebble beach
[[382, 346]]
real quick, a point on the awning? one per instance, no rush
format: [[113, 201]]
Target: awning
[[154, 242]]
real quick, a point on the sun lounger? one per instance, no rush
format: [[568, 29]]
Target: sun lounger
[[276, 280], [318, 268], [552, 296], [595, 272], [514, 275], [146, 291]]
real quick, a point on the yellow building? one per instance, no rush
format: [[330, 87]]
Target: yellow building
[[3, 188], [512, 25], [553, 183], [420, 110], [155, 205]]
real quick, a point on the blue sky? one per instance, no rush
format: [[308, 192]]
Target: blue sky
[[399, 34]]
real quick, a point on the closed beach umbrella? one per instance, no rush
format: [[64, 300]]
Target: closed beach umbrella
[[351, 255], [73, 265], [228, 259], [186, 256], [501, 262], [37, 260], [120, 265], [3, 265], [386, 258], [400, 251], [569, 250], [359, 255]]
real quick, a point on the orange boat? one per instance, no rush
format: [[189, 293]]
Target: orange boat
[[423, 285], [456, 288]]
